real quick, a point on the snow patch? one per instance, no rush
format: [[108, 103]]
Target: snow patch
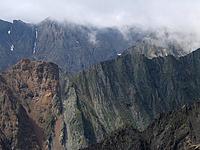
[[36, 34], [34, 48], [119, 54], [35, 44], [9, 32], [12, 47]]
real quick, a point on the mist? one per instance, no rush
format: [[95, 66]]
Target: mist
[[177, 16], [153, 13]]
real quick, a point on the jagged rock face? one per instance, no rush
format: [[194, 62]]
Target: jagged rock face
[[30, 104], [173, 131], [74, 47], [131, 89], [128, 90], [122, 139], [176, 130], [153, 47], [16, 40], [71, 46]]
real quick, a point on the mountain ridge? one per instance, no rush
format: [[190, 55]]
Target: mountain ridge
[[75, 47], [74, 111], [174, 130], [131, 89]]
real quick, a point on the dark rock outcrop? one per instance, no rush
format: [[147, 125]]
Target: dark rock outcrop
[[131, 89], [177, 130]]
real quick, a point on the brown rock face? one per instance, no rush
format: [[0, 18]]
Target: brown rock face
[[30, 105]]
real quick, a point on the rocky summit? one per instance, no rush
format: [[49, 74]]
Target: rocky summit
[[30, 105]]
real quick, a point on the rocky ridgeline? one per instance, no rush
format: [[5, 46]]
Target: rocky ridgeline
[[72, 46], [132, 89], [172, 131], [129, 90], [44, 109]]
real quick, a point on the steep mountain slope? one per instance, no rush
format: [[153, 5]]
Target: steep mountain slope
[[176, 130], [71, 46], [131, 89], [41, 108], [75, 47], [16, 41], [127, 138], [30, 105]]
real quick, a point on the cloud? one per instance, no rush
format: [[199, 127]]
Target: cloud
[[92, 38], [178, 13]]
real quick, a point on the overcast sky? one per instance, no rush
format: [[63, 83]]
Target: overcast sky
[[173, 13]]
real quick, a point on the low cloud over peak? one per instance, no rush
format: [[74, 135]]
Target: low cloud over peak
[[151, 13]]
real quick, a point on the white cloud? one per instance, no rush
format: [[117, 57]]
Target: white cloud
[[179, 14], [92, 38]]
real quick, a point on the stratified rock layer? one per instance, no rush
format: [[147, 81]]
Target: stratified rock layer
[[75, 47], [129, 90], [177, 130], [42, 109]]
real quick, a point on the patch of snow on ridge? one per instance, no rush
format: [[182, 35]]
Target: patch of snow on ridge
[[35, 44], [36, 34], [12, 47], [34, 48], [119, 54]]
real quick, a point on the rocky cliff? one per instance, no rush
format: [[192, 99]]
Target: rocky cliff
[[43, 108], [131, 89], [16, 40], [30, 105], [172, 131], [75, 47]]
